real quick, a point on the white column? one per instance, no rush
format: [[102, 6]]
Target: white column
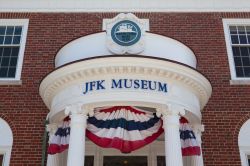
[[52, 160], [171, 126], [76, 152], [198, 160]]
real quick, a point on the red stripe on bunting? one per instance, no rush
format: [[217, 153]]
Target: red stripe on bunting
[[55, 148], [190, 151], [183, 120], [123, 145], [118, 108]]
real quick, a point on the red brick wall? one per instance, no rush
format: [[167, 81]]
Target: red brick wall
[[228, 108]]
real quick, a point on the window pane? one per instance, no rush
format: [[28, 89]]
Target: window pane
[[125, 161], [239, 72], [1, 51], [2, 30], [247, 71], [8, 40], [244, 51], [236, 51], [246, 61], [241, 30], [3, 72], [10, 30], [248, 29], [13, 61], [1, 39], [233, 30], [12, 72], [15, 51], [243, 39], [1, 159], [234, 39], [16, 40], [7, 51], [18, 30], [89, 161], [248, 39], [237, 61], [5, 61], [161, 161]]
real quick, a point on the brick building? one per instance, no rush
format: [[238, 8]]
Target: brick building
[[70, 58]]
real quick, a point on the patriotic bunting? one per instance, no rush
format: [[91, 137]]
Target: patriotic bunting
[[189, 144], [60, 140], [124, 128]]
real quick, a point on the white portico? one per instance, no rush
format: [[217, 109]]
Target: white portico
[[155, 72]]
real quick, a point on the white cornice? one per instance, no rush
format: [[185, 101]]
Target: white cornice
[[125, 6], [68, 75]]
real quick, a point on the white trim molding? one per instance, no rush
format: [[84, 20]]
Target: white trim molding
[[125, 6], [16, 22], [226, 23]]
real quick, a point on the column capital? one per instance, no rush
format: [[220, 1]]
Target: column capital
[[75, 109], [170, 110]]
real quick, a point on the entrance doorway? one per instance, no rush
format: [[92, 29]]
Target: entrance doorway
[[125, 161], [150, 155]]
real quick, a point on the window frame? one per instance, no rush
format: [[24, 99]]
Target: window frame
[[16, 22], [226, 24]]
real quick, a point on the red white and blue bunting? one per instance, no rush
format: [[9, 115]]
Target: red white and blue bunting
[[60, 140], [124, 128], [189, 144]]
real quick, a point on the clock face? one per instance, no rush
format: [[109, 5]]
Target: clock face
[[126, 33]]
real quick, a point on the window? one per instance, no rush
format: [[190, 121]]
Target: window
[[161, 161], [89, 161], [12, 42], [237, 35]]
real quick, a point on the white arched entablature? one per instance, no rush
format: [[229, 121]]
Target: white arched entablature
[[244, 143], [6, 141], [95, 45]]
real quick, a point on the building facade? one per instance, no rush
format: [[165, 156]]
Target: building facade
[[196, 52]]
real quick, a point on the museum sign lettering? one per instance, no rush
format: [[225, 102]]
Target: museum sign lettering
[[129, 84]]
